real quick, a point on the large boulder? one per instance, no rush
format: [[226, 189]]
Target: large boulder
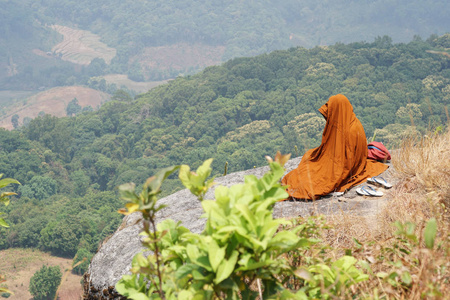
[[113, 259]]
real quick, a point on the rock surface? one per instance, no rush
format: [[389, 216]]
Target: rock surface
[[114, 257]]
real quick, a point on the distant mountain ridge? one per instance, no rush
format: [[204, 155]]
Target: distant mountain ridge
[[226, 29]]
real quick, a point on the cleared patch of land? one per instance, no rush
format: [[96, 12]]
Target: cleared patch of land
[[139, 87], [19, 265], [181, 56], [8, 97], [53, 102], [81, 46]]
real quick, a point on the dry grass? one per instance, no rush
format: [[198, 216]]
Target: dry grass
[[19, 265], [53, 102], [422, 166]]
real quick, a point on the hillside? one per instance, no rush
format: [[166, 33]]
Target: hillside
[[238, 113], [81, 47], [53, 102]]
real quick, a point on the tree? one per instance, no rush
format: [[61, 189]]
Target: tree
[[26, 121], [85, 256], [45, 282], [122, 95], [73, 107], [60, 238], [15, 121], [39, 187], [96, 67]]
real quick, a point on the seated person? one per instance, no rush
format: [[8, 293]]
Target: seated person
[[340, 161]]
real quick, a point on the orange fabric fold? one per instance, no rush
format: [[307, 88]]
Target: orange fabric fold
[[340, 161]]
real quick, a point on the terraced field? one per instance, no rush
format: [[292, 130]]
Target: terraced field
[[81, 46]]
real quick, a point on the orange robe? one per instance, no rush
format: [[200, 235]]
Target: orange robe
[[340, 161]]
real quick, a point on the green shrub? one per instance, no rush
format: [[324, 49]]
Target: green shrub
[[44, 283], [83, 257]]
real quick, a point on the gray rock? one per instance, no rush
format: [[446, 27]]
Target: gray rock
[[114, 256]]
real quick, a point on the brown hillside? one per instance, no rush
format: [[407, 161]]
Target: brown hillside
[[54, 102], [19, 265]]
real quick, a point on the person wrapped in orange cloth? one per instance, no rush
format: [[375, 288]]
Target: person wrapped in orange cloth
[[340, 161]]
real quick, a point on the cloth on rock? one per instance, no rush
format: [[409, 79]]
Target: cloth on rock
[[340, 161]]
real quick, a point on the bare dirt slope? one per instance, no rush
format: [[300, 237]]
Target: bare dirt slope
[[19, 265], [179, 57], [54, 102], [139, 87]]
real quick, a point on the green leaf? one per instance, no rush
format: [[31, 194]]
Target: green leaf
[[284, 240], [185, 270], [430, 233], [205, 169], [192, 252], [247, 215], [184, 175], [406, 278], [156, 181], [7, 181], [226, 267], [221, 194], [127, 192], [141, 260], [138, 296], [345, 262], [216, 255], [4, 200], [196, 182], [254, 265], [3, 223]]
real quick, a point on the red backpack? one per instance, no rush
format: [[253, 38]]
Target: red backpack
[[378, 151]]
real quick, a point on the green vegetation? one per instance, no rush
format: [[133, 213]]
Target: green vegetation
[[237, 113], [45, 282], [244, 253], [4, 198], [239, 245], [81, 261]]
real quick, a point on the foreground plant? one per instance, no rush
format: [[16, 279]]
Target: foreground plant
[[239, 255], [4, 198]]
